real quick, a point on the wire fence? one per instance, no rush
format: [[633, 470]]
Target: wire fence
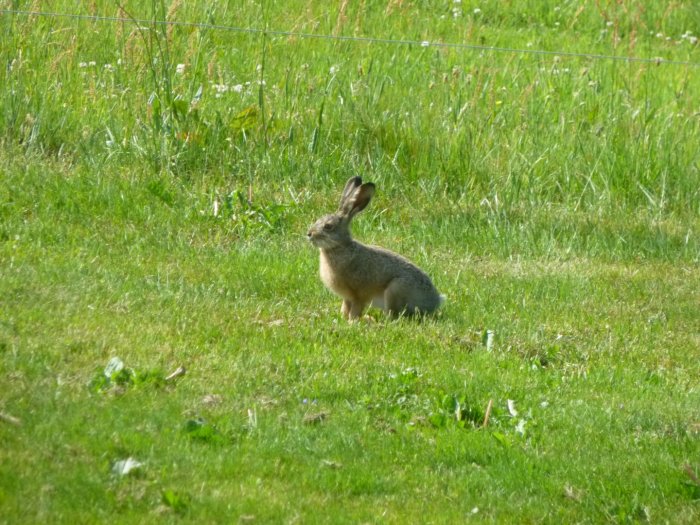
[[359, 39]]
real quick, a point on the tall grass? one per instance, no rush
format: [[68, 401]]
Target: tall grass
[[528, 128]]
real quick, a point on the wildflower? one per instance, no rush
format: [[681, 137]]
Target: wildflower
[[180, 69], [334, 70], [477, 11], [688, 35], [238, 88]]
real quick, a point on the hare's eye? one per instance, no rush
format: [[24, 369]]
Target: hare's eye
[[328, 226]]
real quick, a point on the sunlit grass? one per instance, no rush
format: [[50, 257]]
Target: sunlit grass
[[155, 186]]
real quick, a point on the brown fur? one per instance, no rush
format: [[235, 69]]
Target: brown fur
[[363, 274]]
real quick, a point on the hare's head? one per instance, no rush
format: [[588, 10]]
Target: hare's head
[[333, 230]]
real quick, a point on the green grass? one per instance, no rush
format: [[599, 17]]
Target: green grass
[[160, 216]]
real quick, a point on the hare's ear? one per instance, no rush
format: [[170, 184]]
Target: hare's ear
[[350, 186], [359, 200]]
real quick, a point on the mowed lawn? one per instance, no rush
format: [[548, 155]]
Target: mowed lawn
[[168, 352]]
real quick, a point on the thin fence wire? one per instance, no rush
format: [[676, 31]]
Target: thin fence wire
[[360, 39]]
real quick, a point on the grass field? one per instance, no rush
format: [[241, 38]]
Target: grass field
[[156, 185]]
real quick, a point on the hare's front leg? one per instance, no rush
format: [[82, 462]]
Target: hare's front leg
[[351, 310], [345, 309]]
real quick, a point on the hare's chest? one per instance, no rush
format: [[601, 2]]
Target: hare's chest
[[331, 275]]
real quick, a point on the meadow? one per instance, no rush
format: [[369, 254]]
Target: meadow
[[168, 352]]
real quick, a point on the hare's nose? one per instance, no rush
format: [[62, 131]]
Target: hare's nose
[[308, 234]]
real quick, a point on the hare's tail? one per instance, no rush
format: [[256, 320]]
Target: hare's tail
[[443, 298]]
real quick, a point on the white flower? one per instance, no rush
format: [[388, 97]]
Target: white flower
[[238, 88], [334, 70], [180, 69], [511, 407], [125, 466], [477, 11]]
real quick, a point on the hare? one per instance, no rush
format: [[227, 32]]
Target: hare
[[362, 274]]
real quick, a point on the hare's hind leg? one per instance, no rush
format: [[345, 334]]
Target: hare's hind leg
[[397, 299]]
